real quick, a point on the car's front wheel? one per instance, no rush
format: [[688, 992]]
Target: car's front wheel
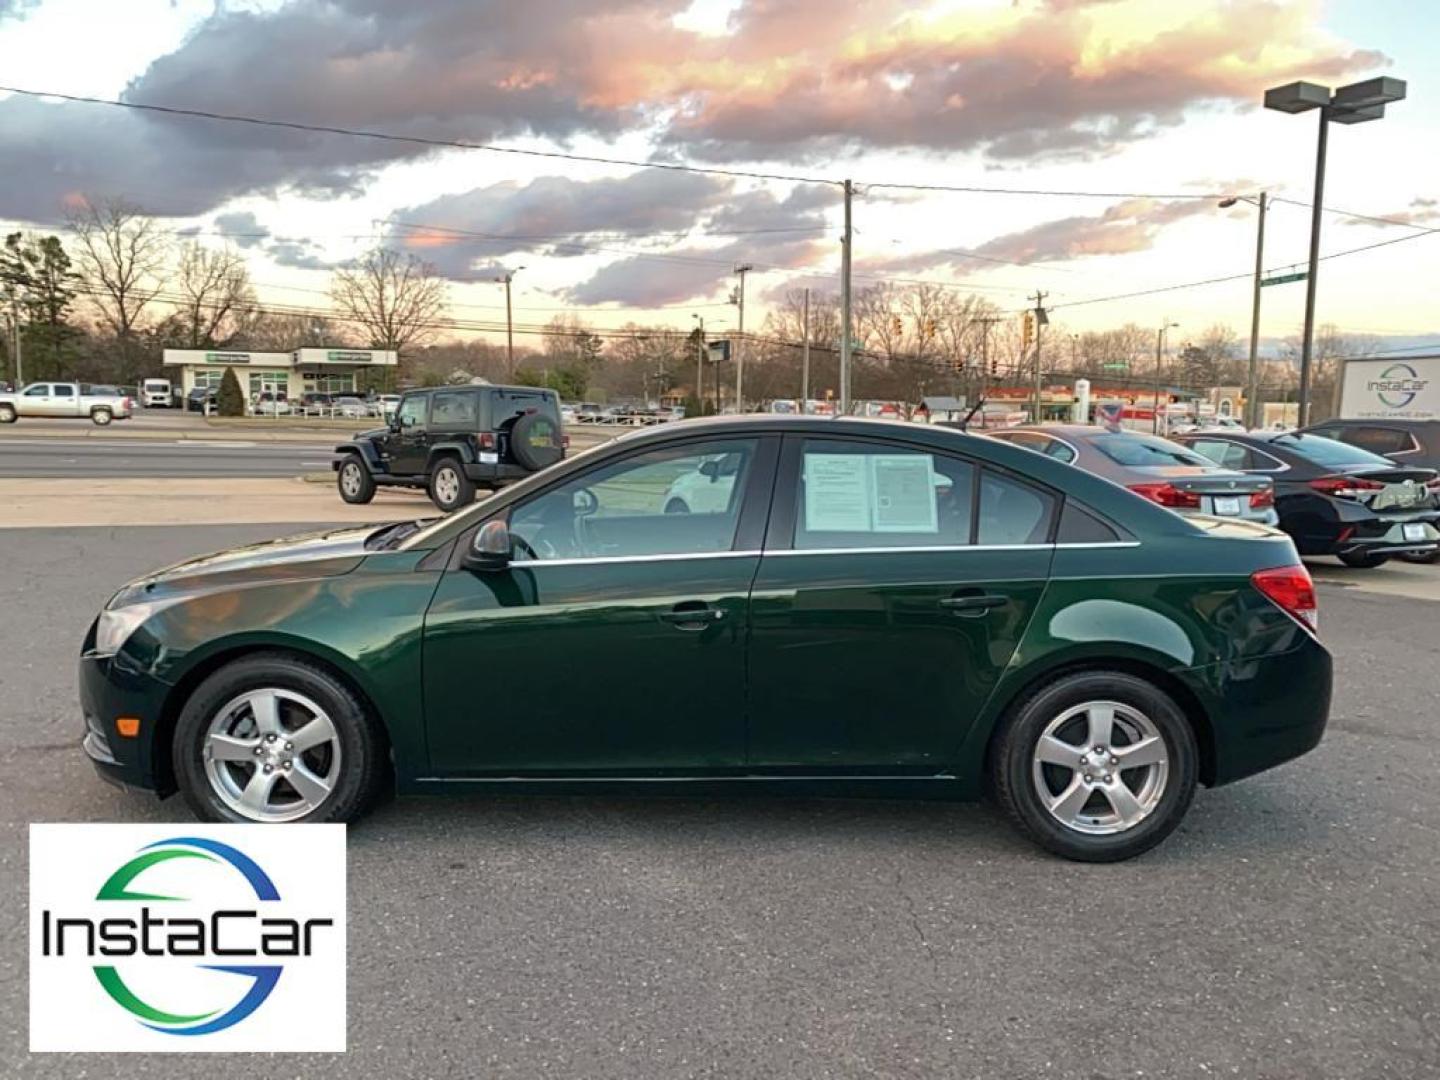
[[1096, 766], [272, 738], [354, 481], [1426, 557], [450, 488]]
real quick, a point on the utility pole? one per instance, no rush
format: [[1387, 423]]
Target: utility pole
[[15, 326], [742, 270], [1252, 382], [700, 365], [1160, 336], [985, 321], [846, 243], [1040, 320], [509, 323], [805, 353]]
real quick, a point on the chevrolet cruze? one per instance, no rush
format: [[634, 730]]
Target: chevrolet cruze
[[841, 605]]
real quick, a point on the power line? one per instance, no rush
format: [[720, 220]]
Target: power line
[[416, 140], [1358, 216], [971, 189]]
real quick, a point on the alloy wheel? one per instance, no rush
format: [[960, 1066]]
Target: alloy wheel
[[1100, 767], [272, 755], [447, 486], [350, 479]]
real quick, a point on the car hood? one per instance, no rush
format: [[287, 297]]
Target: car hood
[[318, 554]]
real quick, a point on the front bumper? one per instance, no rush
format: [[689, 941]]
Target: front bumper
[[109, 690]]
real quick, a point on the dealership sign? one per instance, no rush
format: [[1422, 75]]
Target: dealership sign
[[1394, 389], [187, 938]]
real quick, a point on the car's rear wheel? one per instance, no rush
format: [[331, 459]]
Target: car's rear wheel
[[1096, 766], [354, 481], [101, 417], [1427, 557], [7, 414], [450, 488], [1361, 561], [677, 506], [273, 739]]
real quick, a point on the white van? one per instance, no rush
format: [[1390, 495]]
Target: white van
[[156, 394]]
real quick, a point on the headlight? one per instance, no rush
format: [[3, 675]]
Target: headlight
[[117, 624]]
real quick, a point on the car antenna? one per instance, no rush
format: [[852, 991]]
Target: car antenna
[[965, 424]]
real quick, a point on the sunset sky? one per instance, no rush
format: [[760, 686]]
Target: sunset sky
[[1156, 99]]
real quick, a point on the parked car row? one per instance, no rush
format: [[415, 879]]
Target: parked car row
[[587, 412]]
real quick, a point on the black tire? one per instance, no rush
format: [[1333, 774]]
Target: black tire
[[1012, 768], [354, 474], [1429, 558], [536, 442], [1361, 561], [364, 768], [449, 487], [8, 414], [100, 417], [677, 506]]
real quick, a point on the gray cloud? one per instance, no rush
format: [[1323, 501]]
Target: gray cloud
[[243, 229], [1125, 227], [794, 80], [15, 9]]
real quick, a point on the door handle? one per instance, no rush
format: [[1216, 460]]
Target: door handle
[[692, 615], [972, 604]]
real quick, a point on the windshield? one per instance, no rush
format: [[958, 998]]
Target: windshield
[[1127, 448], [1323, 451]]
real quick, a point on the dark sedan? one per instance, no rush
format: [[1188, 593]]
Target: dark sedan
[[1333, 498], [1158, 469], [871, 607]]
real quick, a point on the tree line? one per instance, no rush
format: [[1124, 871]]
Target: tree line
[[104, 304]]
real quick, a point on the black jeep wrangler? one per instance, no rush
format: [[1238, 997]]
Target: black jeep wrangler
[[451, 440]]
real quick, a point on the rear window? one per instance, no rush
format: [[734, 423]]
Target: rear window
[[1139, 451], [505, 404], [1323, 451]]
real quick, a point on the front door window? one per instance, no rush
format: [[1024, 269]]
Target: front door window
[[672, 501]]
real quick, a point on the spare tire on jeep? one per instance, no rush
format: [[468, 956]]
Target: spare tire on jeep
[[535, 441]]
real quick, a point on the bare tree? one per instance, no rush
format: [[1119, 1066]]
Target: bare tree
[[215, 286], [396, 298], [121, 255]]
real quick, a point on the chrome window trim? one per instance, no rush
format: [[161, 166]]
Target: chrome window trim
[[899, 550], [665, 557]]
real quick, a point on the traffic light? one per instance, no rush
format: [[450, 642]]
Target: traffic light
[[896, 326], [1027, 330], [994, 367], [930, 329]]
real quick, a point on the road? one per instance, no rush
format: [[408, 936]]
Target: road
[[1289, 930], [93, 458]]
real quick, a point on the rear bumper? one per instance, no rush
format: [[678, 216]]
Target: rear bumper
[[1264, 712], [499, 473]]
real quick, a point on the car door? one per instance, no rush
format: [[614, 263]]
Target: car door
[[63, 400], [405, 445], [615, 639], [895, 586], [35, 401]]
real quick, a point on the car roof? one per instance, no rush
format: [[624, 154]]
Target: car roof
[[1073, 431]]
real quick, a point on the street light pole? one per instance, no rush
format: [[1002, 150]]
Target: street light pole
[[805, 353], [846, 243], [1252, 383], [742, 270], [1160, 341], [700, 364], [1353, 104]]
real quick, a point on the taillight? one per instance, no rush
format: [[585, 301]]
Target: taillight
[[1168, 495], [1262, 500], [1290, 589], [487, 440], [565, 441], [1344, 487]]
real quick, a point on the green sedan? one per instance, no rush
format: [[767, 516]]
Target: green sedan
[[833, 607]]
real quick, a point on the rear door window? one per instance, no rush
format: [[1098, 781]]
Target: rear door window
[[1222, 452], [64, 390], [1012, 511], [1080, 526], [853, 494], [454, 410]]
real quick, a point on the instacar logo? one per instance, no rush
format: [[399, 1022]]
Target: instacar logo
[[190, 936], [1397, 385]]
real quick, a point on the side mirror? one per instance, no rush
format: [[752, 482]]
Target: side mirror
[[710, 468], [490, 549]]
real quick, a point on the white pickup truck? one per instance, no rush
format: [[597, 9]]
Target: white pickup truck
[[61, 399]]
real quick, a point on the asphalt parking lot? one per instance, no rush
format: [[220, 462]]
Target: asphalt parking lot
[[1290, 929]]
